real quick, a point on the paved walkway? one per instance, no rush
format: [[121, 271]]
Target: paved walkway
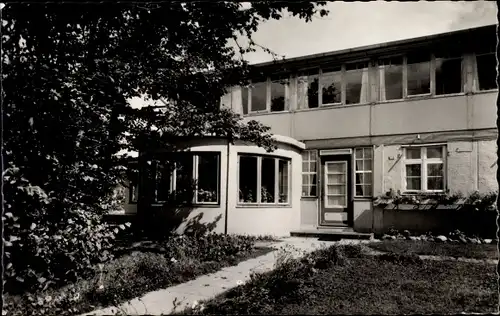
[[178, 297], [207, 286]]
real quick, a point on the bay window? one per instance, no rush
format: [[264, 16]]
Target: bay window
[[424, 169], [263, 180], [189, 178]]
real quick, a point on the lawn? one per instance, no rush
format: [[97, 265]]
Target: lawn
[[139, 269], [363, 284], [475, 251]]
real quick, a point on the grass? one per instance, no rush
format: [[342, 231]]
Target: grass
[[363, 284], [473, 251], [133, 274]]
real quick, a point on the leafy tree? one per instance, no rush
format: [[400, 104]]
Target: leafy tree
[[69, 71]]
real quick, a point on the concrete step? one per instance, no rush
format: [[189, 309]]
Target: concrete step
[[331, 233]]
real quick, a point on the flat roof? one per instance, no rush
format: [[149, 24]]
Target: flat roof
[[376, 46]]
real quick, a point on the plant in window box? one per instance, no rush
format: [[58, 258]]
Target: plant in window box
[[246, 196], [282, 198], [206, 196], [266, 196]]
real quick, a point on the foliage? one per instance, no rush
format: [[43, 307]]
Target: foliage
[[476, 200], [141, 270], [69, 72], [288, 282], [48, 243]]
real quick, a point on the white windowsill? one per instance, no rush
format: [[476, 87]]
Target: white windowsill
[[262, 205]]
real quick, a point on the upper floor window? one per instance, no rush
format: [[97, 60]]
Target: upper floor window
[[266, 96], [418, 74], [391, 79], [424, 169], [485, 72], [356, 83], [450, 76], [331, 86]]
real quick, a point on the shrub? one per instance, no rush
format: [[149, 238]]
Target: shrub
[[289, 281], [50, 242], [400, 258]]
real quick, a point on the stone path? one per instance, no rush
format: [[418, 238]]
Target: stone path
[[205, 287], [178, 297]]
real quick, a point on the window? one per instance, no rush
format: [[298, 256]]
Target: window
[[309, 173], [190, 178], [308, 91], [364, 160], [391, 79], [419, 74], [258, 97], [207, 178], [133, 185], [278, 95], [449, 77], [424, 169], [263, 180], [245, 97], [331, 86], [486, 72], [357, 84]]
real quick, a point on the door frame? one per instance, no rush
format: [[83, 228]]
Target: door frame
[[336, 155]]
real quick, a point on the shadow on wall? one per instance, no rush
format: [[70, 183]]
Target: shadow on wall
[[158, 221]]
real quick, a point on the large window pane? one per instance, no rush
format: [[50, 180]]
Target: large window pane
[[413, 176], [448, 76], [391, 79], [413, 153], [244, 99], [259, 96], [356, 80], [313, 91], [267, 180], [208, 176], [486, 71], [163, 180], [331, 84], [278, 95], [184, 178], [419, 75], [283, 181], [248, 179]]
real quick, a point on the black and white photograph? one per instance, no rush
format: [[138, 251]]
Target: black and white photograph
[[249, 158]]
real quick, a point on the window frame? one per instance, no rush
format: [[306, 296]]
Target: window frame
[[133, 187], [475, 80], [258, 202], [269, 80], [194, 176], [363, 171], [310, 173], [423, 161]]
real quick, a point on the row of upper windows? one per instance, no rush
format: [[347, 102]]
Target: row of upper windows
[[394, 78]]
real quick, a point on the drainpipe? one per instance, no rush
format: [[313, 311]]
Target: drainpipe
[[227, 186]]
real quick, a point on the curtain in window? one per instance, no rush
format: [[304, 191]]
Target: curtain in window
[[381, 84], [302, 87], [475, 73], [365, 86], [236, 100]]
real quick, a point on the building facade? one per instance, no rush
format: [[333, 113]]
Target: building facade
[[413, 116]]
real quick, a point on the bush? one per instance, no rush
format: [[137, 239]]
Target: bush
[[48, 242], [400, 258], [289, 281]]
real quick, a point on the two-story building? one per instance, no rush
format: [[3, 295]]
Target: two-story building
[[415, 115]]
